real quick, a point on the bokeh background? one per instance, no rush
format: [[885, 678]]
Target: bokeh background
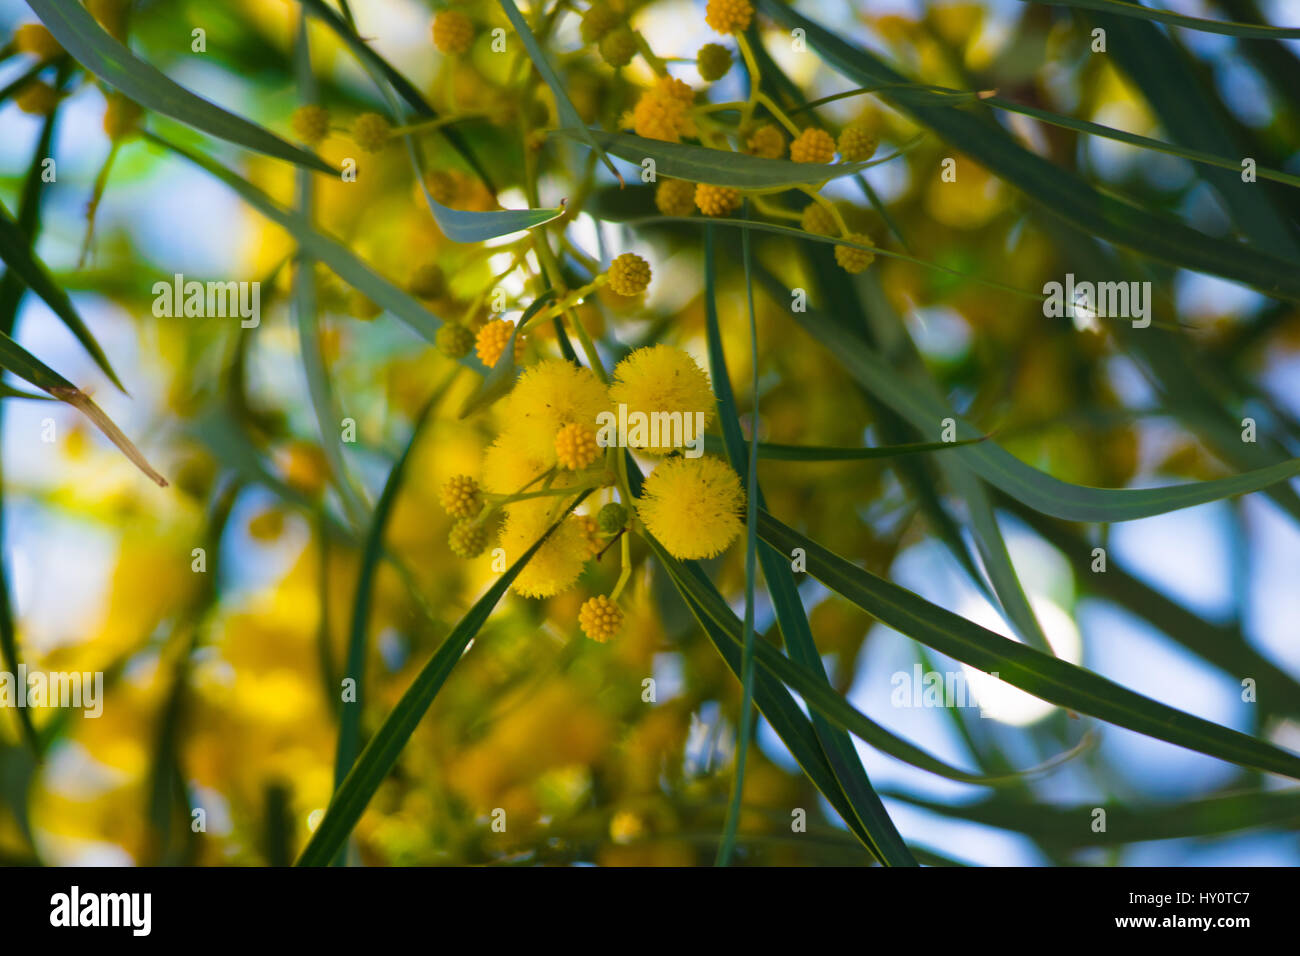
[[224, 699]]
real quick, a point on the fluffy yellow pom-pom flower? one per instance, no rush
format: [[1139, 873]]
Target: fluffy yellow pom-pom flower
[[556, 565], [729, 16], [629, 274], [510, 467], [675, 197], [856, 144], [549, 395], [661, 380], [371, 132], [311, 124], [452, 32], [768, 141], [460, 497], [854, 260], [600, 618], [813, 146], [693, 506], [716, 200], [575, 446], [492, 339]]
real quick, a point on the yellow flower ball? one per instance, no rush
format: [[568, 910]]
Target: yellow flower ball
[[661, 379], [818, 220], [311, 124], [768, 141], [854, 260], [693, 506], [575, 446], [813, 146], [629, 274], [428, 281], [598, 21], [713, 61], [454, 340], [492, 340], [618, 47], [37, 98], [460, 497], [600, 618], [557, 564], [716, 200], [452, 32], [121, 117], [467, 538], [371, 132], [856, 144], [36, 40], [675, 197], [663, 112], [729, 16]]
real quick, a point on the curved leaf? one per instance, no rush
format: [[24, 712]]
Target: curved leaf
[[329, 251], [1060, 193], [1249, 31], [563, 105], [15, 251], [381, 753], [719, 167], [1046, 677], [461, 225], [92, 47], [1000, 468]]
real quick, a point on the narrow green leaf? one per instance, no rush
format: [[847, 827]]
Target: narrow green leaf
[[405, 89], [1059, 192], [564, 106], [816, 691], [774, 451], [1248, 31], [27, 366], [467, 225], [753, 224], [16, 252], [381, 753], [319, 386], [1146, 142], [329, 251], [92, 47], [1068, 827], [746, 462], [699, 164], [845, 762], [1003, 470], [349, 739], [1046, 677], [777, 705]]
